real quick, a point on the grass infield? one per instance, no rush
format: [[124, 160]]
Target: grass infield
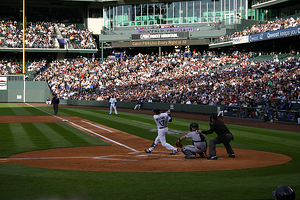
[[18, 182]]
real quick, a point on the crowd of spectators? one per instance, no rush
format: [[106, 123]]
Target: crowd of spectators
[[7, 67], [8, 29], [15, 68], [79, 38], [42, 35], [37, 66], [277, 24], [229, 80], [37, 35], [205, 78], [3, 68]]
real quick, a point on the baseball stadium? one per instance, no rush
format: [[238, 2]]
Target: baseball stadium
[[85, 87]]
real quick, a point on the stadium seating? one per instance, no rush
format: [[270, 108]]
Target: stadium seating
[[44, 35], [253, 81]]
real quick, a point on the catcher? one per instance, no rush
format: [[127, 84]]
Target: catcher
[[199, 143]]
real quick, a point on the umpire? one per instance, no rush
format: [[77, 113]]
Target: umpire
[[224, 136], [55, 103]]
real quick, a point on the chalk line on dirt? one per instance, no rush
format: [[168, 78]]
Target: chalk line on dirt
[[113, 141], [129, 157]]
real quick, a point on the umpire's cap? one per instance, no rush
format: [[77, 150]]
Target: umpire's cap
[[213, 116], [284, 192], [156, 110]]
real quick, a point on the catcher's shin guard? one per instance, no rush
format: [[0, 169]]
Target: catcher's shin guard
[[187, 152]]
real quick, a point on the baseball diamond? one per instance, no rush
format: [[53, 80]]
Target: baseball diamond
[[126, 148], [144, 100]]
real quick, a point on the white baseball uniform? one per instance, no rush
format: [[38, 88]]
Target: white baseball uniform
[[199, 145], [113, 102], [162, 130]]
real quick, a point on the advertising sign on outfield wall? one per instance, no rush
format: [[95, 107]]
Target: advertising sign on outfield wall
[[289, 32], [240, 40], [3, 83]]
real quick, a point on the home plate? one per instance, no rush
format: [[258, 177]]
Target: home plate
[[141, 155]]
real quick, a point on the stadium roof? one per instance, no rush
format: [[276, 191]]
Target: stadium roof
[[92, 2], [267, 3]]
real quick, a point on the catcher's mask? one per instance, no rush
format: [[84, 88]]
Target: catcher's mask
[[194, 125], [284, 192], [156, 110]]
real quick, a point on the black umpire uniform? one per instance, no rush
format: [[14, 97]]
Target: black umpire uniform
[[55, 103], [224, 136]]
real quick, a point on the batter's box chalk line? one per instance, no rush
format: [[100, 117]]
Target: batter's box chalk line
[[136, 157]]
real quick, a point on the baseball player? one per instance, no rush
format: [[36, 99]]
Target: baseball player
[[138, 104], [113, 105], [48, 101], [199, 143], [162, 119]]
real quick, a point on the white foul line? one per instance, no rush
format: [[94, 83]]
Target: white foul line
[[46, 112], [141, 122], [63, 158], [97, 126], [103, 136], [38, 109], [92, 131]]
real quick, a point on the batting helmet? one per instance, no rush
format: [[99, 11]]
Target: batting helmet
[[194, 125], [284, 192], [156, 110]]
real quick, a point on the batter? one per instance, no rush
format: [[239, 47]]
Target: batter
[[161, 120]]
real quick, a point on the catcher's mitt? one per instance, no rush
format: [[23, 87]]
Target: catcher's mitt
[[178, 144]]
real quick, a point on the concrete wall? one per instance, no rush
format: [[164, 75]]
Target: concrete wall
[[95, 25], [35, 91]]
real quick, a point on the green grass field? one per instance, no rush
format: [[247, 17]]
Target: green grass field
[[18, 182]]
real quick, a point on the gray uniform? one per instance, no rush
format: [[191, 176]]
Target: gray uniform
[[199, 145]]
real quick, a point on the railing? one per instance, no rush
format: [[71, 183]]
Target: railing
[[257, 113], [260, 114]]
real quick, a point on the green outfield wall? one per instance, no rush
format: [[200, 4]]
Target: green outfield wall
[[230, 111], [204, 109], [35, 91]]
